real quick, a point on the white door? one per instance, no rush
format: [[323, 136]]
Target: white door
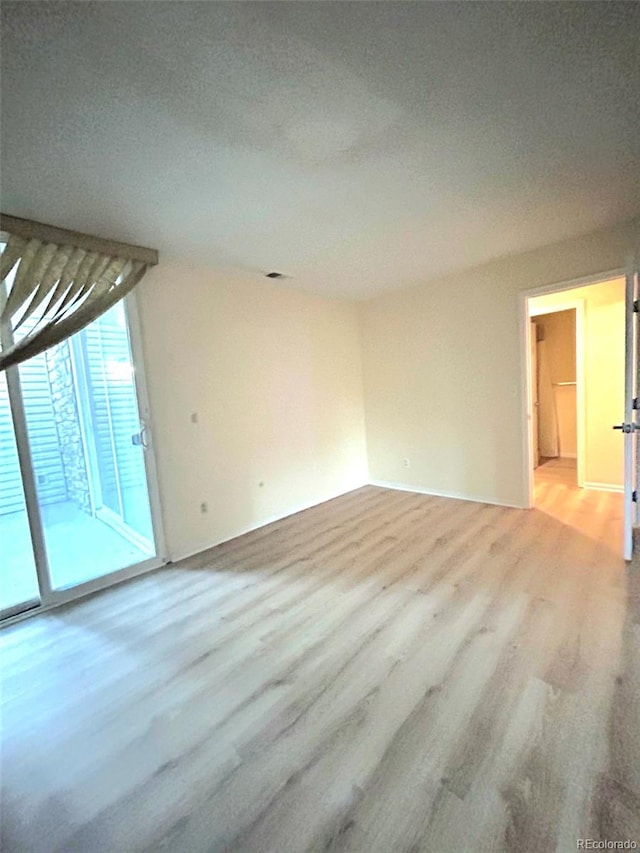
[[631, 423]]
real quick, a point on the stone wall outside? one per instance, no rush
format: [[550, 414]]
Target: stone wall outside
[[67, 417]]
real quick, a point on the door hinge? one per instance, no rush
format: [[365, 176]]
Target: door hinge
[[634, 405], [636, 306], [634, 496]]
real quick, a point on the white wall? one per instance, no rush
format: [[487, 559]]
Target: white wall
[[443, 375], [276, 379], [603, 376]]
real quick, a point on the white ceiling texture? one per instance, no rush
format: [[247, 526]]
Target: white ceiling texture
[[355, 146]]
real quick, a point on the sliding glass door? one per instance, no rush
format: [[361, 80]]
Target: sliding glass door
[[18, 577], [85, 453]]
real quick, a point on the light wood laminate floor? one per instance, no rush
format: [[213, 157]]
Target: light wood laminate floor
[[559, 470], [385, 672]]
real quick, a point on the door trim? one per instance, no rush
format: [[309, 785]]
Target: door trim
[[144, 408], [525, 365]]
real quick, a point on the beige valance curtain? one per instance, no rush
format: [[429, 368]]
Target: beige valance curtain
[[59, 281]]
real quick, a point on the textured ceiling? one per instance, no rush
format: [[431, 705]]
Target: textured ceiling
[[356, 147]]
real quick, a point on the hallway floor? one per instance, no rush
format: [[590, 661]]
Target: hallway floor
[[557, 470], [556, 493]]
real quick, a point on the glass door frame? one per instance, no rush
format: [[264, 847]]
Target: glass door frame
[[50, 597]]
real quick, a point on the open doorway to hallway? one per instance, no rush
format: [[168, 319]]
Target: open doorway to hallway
[[554, 384], [576, 382]]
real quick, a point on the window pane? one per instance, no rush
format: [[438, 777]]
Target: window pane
[[18, 579]]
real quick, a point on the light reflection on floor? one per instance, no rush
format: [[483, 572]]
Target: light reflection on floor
[[79, 547]]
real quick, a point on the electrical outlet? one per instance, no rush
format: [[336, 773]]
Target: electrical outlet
[[406, 462], [194, 417], [203, 507]]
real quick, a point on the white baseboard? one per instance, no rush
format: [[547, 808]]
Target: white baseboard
[[383, 484], [603, 487], [401, 487], [266, 521]]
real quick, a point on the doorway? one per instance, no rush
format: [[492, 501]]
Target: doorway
[[576, 393], [558, 394], [78, 495]]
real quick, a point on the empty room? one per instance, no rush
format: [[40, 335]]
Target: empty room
[[318, 410]]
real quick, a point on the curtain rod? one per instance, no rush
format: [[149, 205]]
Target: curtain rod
[[30, 230]]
